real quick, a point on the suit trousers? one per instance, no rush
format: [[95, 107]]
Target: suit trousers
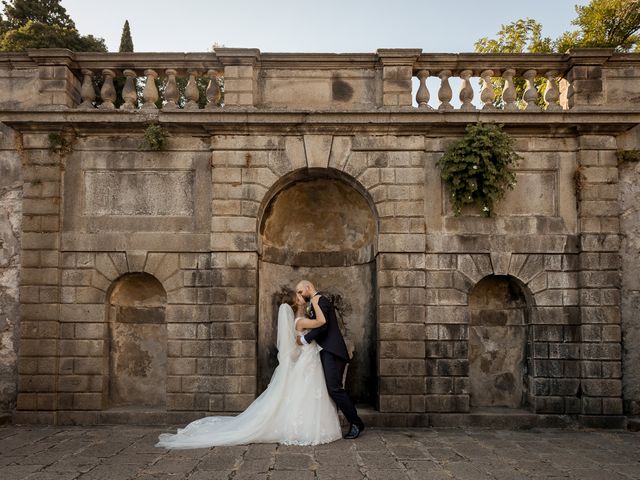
[[333, 367]]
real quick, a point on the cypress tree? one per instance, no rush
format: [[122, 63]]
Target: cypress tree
[[126, 42]]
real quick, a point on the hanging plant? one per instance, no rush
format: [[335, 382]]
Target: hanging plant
[[155, 137], [477, 168]]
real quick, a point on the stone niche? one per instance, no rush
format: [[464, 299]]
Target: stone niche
[[322, 228], [498, 343], [137, 354]]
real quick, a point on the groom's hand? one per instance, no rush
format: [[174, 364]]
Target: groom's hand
[[298, 341]]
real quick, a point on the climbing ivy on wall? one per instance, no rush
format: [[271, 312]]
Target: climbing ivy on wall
[[477, 169]]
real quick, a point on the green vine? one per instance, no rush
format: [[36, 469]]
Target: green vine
[[477, 168], [628, 156], [155, 138]]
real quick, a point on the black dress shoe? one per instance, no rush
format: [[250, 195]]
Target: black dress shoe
[[354, 432]]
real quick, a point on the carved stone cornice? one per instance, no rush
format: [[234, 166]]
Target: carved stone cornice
[[383, 121]]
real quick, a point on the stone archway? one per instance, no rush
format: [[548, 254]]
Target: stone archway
[[320, 224], [137, 352], [499, 351]]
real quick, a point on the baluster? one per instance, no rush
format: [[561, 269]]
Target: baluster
[[171, 93], [213, 89], [87, 92], [129, 93], [509, 92], [488, 94], [108, 91], [422, 96], [445, 94], [551, 91], [150, 92], [191, 92], [530, 93], [466, 91]]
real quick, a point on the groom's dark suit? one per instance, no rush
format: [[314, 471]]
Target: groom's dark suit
[[334, 358]]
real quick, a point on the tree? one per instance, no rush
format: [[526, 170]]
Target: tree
[[42, 24], [521, 36], [49, 12], [516, 37], [126, 42], [601, 24], [604, 24]]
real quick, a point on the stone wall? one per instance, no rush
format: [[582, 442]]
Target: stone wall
[[10, 233], [219, 224], [630, 254]]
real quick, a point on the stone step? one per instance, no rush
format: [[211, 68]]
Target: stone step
[[499, 418], [132, 416], [633, 424]]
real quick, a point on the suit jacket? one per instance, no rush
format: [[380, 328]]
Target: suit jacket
[[328, 336]]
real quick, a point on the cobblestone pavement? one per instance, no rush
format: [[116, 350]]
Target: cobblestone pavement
[[115, 453]]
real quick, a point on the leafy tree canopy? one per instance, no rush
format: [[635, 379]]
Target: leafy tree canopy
[[42, 24], [516, 37], [18, 12], [601, 24]]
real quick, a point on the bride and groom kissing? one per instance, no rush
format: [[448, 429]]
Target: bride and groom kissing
[[299, 405]]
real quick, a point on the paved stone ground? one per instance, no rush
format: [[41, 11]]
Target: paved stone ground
[[115, 453]]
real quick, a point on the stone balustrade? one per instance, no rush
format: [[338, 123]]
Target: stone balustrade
[[247, 78], [504, 71], [133, 81]]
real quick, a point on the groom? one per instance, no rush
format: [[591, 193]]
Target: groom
[[334, 356]]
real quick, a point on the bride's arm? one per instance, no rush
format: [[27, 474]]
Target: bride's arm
[[319, 321]]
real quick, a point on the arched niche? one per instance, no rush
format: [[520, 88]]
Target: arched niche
[[137, 354], [321, 225], [499, 351]]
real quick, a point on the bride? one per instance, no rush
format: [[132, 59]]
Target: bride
[[295, 409]]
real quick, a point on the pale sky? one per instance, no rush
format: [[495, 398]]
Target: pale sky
[[312, 26]]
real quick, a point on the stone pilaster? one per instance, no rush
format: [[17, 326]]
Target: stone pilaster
[[397, 73], [583, 86], [39, 283], [58, 87], [599, 279], [240, 75]]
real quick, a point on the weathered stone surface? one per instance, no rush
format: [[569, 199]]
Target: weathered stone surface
[[10, 235], [630, 306], [315, 166]]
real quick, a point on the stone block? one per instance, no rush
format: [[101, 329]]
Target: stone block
[[401, 367], [600, 174], [447, 403], [88, 365], [394, 403], [181, 366], [604, 351], [602, 387], [237, 402], [549, 404], [82, 313], [401, 243], [87, 401], [402, 349], [612, 406], [180, 401], [405, 331], [597, 142], [38, 348]]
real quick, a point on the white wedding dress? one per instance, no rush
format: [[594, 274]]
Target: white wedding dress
[[295, 409]]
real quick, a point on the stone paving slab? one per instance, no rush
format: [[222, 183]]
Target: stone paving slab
[[124, 453]]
